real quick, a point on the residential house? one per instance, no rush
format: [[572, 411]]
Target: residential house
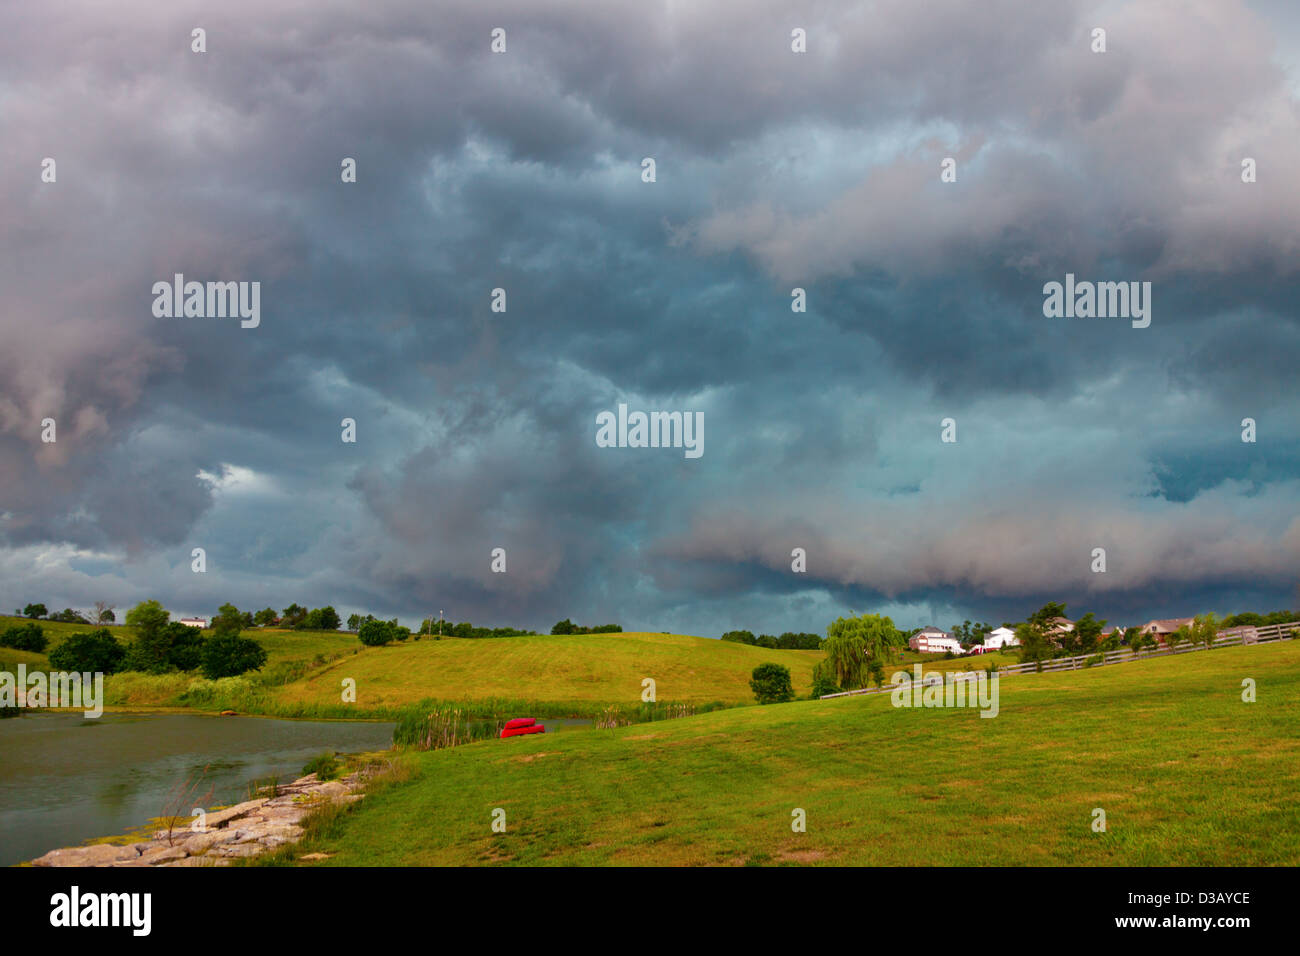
[[1162, 629], [194, 622], [1000, 637], [931, 640]]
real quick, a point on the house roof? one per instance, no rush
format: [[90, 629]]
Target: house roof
[[1167, 624]]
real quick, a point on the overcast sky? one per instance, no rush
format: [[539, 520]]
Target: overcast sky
[[774, 170]]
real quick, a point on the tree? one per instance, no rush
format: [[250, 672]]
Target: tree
[[739, 637], [770, 683], [857, 648], [292, 615], [185, 649], [35, 610], [374, 633], [801, 641], [264, 617], [1035, 645], [152, 644], [147, 614], [229, 655], [69, 616], [1085, 637], [320, 619], [1205, 628], [1138, 639], [96, 652], [24, 637], [563, 627], [228, 622], [104, 613], [824, 684]]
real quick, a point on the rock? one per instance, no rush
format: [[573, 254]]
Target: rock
[[163, 855], [238, 849], [100, 854], [222, 817], [333, 790], [286, 815], [203, 841], [196, 861]]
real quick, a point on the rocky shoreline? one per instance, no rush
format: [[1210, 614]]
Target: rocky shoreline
[[247, 829]]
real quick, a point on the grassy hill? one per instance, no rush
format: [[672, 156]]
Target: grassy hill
[[572, 674], [1187, 773], [592, 668]]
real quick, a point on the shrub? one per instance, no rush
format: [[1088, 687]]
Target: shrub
[[173, 646], [230, 655], [186, 650], [770, 683], [325, 767], [375, 633], [24, 637], [824, 684], [93, 651]]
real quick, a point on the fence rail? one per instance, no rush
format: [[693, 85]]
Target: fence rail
[[1227, 638]]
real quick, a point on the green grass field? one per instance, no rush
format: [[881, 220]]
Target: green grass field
[[1186, 772], [587, 668], [575, 674]]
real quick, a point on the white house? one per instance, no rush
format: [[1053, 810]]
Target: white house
[[1000, 637], [931, 640], [194, 622]]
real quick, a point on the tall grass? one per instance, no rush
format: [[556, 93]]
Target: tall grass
[[436, 728]]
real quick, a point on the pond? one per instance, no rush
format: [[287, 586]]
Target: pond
[[65, 779]]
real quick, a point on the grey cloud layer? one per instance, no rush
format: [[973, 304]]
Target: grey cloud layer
[[522, 171]]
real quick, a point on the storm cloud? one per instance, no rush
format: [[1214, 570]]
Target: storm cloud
[[775, 170]]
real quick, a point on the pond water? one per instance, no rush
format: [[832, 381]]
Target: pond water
[[65, 779]]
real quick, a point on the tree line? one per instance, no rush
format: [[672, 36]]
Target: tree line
[[789, 641], [160, 645]]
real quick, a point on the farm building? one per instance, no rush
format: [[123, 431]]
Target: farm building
[[194, 622]]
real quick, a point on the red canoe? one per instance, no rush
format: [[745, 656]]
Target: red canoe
[[520, 722], [521, 731]]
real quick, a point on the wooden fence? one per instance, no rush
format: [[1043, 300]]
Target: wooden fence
[[1228, 638]]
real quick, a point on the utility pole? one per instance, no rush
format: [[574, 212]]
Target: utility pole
[[440, 624]]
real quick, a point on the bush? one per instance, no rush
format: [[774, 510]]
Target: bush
[[24, 637], [172, 647], [325, 767], [96, 652], [824, 684], [770, 683], [230, 656], [186, 650], [375, 633]]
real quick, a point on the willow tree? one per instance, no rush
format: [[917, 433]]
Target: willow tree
[[857, 649]]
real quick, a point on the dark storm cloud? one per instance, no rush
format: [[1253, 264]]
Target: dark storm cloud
[[521, 171]]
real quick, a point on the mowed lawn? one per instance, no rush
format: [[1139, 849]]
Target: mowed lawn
[[605, 668], [1187, 773]]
